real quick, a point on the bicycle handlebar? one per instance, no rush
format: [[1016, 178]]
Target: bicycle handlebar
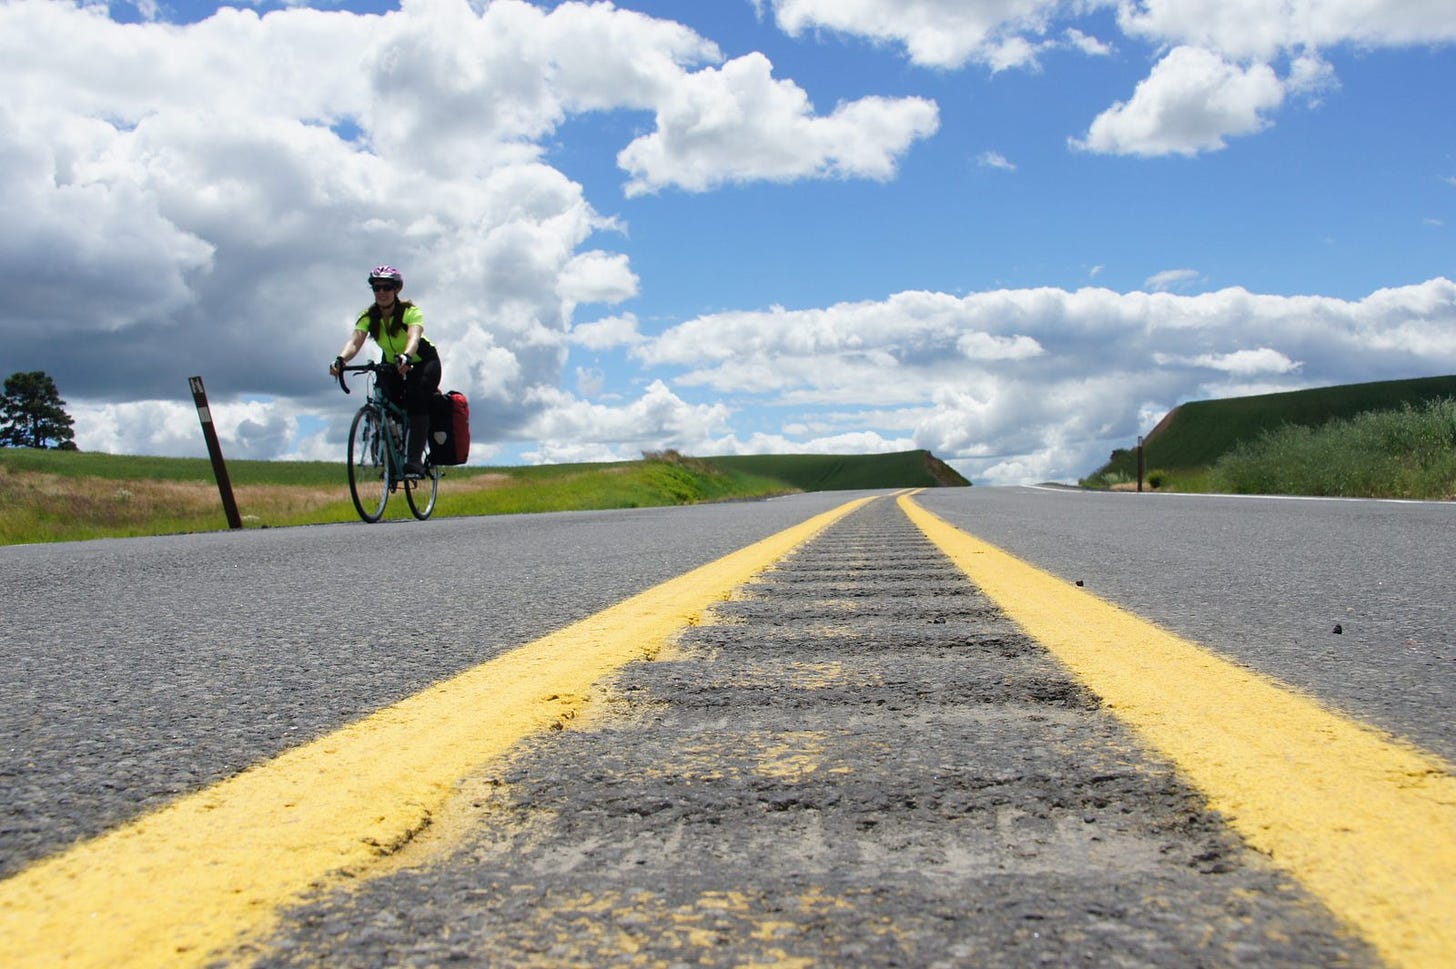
[[371, 367]]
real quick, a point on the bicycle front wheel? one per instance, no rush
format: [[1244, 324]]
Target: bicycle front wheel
[[368, 465], [421, 492]]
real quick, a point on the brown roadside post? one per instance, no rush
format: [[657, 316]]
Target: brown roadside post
[[214, 451], [1140, 463]]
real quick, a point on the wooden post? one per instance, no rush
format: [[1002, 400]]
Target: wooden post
[[214, 451], [1140, 463]]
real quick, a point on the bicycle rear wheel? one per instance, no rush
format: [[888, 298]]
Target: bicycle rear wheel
[[368, 464], [421, 492]]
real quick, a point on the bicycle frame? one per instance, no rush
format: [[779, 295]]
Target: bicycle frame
[[376, 454], [395, 419]]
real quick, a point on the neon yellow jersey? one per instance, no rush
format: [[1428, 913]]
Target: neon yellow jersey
[[392, 345]]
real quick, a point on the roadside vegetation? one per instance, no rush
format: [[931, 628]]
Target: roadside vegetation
[[1409, 453], [52, 496], [1404, 450], [49, 495], [849, 472]]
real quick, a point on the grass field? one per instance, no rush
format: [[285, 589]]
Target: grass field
[[838, 472], [52, 496], [1386, 439]]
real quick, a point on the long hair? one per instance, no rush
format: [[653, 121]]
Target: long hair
[[395, 326]]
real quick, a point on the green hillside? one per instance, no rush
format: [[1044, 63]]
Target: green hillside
[[848, 472], [1198, 433], [52, 496]]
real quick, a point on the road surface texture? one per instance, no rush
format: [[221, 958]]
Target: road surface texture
[[1264, 581], [139, 670], [858, 761]]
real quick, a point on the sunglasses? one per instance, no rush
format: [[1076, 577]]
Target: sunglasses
[[383, 287]]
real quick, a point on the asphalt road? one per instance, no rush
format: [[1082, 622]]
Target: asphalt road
[[860, 762], [142, 669], [1264, 581]]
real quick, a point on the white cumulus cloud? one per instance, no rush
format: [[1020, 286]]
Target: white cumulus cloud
[[1036, 384], [1191, 102], [597, 277], [1244, 363], [658, 419], [739, 123], [934, 33], [1219, 78], [1261, 29], [216, 192], [606, 333]]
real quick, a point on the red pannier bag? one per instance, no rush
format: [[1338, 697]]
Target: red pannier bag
[[449, 428]]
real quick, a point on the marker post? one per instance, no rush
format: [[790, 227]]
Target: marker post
[[214, 451]]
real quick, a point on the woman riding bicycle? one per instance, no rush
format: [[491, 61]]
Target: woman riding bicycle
[[398, 327]]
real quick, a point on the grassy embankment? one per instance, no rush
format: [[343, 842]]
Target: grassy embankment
[[840, 472], [1391, 439], [50, 496]]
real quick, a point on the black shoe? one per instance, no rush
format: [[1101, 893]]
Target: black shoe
[[412, 470]]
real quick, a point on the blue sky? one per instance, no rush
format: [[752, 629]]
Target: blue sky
[[1015, 232]]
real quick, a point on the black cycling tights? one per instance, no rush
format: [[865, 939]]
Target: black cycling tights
[[420, 384]]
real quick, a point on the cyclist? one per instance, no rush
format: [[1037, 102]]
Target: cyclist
[[398, 326]]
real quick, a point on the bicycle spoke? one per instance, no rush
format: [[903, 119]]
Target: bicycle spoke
[[368, 471], [421, 493]]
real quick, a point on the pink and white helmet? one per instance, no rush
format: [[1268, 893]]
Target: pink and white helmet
[[388, 273]]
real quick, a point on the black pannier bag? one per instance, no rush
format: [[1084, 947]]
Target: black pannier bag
[[449, 428]]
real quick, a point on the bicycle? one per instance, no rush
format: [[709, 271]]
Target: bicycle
[[377, 455]]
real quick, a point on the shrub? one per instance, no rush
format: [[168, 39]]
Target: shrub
[[1406, 453], [672, 456]]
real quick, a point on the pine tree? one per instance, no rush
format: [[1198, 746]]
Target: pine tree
[[32, 413]]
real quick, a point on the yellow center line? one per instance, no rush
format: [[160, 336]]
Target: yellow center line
[[1366, 822], [211, 869]]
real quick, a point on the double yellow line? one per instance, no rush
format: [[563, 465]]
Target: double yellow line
[[196, 878], [1366, 822]]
